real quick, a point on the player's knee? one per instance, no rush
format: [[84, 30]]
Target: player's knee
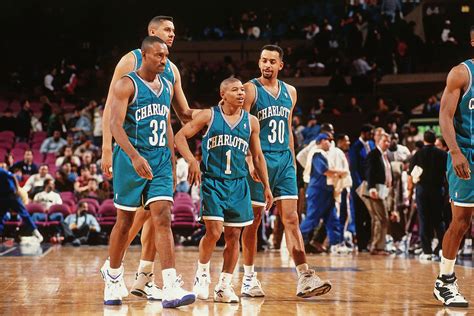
[[232, 236], [290, 220], [461, 225], [257, 218], [213, 234], [162, 219]]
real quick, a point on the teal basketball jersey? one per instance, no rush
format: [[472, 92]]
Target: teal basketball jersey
[[273, 114], [463, 117], [168, 73], [224, 147], [146, 120]]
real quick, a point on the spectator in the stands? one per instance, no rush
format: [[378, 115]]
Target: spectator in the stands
[[95, 173], [93, 191], [7, 121], [49, 81], [431, 107], [87, 158], [84, 123], [82, 182], [82, 227], [87, 145], [35, 183], [67, 156], [23, 121], [53, 144], [441, 144], [26, 165], [353, 106], [48, 196], [63, 182]]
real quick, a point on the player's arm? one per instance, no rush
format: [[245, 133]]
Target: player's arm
[[456, 82], [123, 92], [180, 104], [294, 96], [248, 102], [124, 66], [202, 119], [259, 160], [170, 135]]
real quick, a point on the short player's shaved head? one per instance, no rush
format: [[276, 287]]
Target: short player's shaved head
[[158, 19], [227, 82], [150, 41]]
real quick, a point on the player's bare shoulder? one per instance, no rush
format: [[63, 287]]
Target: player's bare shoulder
[[458, 77]]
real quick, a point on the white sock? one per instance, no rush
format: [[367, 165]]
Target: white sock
[[249, 270], [38, 235], [169, 277], [225, 278], [114, 272], [301, 268], [145, 266], [203, 268], [446, 266]]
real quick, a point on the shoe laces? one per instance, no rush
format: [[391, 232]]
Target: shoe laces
[[179, 281]]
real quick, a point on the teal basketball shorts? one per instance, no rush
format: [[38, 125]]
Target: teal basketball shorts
[[461, 191], [226, 200], [282, 178], [132, 191]]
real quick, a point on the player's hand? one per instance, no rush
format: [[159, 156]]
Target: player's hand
[[107, 162], [268, 198], [461, 166], [194, 173], [374, 195], [142, 167]]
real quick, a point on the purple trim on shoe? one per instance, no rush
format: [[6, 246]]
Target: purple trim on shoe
[[185, 300], [113, 302]]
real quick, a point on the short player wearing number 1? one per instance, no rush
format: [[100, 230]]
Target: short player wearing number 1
[[272, 102], [143, 169], [225, 192]]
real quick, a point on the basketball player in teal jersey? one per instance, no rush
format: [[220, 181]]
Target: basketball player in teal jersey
[[163, 27], [272, 102], [456, 118], [225, 193], [143, 163]]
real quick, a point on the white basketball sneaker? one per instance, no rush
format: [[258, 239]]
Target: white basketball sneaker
[[175, 295], [446, 290], [251, 286], [113, 289], [309, 285], [103, 272], [144, 286], [201, 286], [224, 293]]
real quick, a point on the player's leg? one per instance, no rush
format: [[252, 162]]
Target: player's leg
[[206, 248], [17, 205], [224, 291], [173, 294], [309, 284], [113, 276], [446, 288], [144, 284], [250, 284]]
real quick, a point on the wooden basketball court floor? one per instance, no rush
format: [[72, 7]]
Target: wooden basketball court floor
[[65, 280]]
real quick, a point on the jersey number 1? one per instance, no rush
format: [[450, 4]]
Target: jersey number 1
[[157, 139], [227, 168]]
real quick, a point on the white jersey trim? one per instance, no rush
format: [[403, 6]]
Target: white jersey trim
[[470, 79]]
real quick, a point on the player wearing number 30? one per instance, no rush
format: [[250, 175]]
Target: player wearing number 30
[[144, 170], [225, 193], [272, 102]]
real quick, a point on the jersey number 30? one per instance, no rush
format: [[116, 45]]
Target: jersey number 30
[[277, 130], [156, 139]]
